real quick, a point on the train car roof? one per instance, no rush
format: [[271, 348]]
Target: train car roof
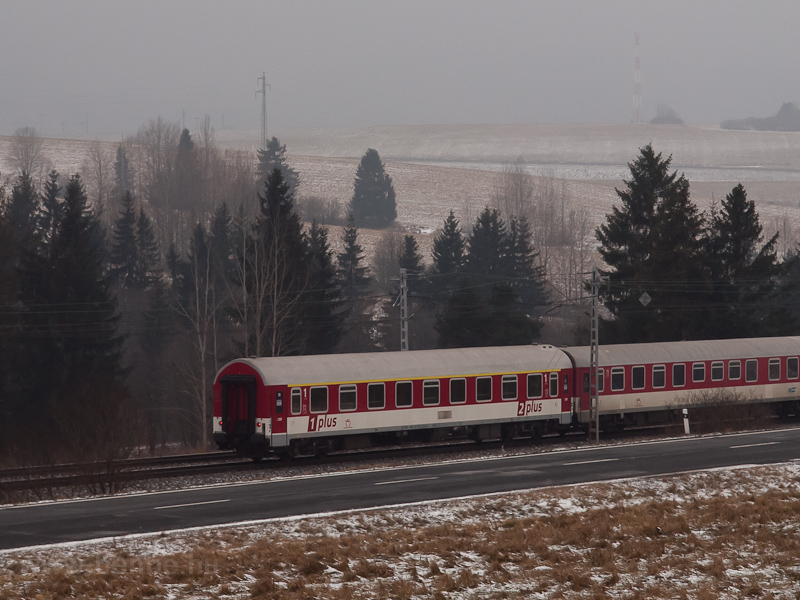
[[415, 364], [672, 352]]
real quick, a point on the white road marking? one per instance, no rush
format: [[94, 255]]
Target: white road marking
[[589, 462], [191, 504], [754, 445], [405, 480]]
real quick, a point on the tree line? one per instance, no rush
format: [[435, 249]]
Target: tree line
[[117, 311], [106, 306]]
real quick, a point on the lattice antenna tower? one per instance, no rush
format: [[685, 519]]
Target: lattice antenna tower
[[263, 92], [637, 82]]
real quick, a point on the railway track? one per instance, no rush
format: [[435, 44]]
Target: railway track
[[214, 463]]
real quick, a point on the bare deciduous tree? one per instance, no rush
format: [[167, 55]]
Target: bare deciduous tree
[[385, 261], [98, 173], [26, 153], [513, 192], [787, 240]]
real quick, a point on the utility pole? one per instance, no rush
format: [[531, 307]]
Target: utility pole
[[263, 92], [402, 300], [637, 82], [594, 355]]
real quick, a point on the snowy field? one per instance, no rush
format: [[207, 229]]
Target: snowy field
[[441, 168], [725, 534]]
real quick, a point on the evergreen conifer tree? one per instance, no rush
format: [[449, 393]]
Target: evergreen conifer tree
[[488, 246], [448, 248], [274, 157], [353, 274], [746, 273], [125, 260], [322, 313], [52, 206], [653, 243], [373, 201], [526, 277], [123, 177], [149, 257], [187, 174], [23, 209], [69, 294], [221, 248], [410, 258], [279, 270]]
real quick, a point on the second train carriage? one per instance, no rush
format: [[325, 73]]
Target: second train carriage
[[641, 384], [317, 403]]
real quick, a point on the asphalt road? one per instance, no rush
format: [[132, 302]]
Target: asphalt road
[[63, 521]]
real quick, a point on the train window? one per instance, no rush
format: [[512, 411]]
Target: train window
[[483, 389], [617, 379], [698, 372], [678, 375], [403, 394], [297, 401], [318, 399], [717, 371], [554, 385], [751, 370], [376, 396], [792, 367], [430, 392], [347, 398], [637, 378], [601, 380], [774, 369], [734, 370], [458, 391], [659, 376], [509, 387], [534, 385], [586, 386]]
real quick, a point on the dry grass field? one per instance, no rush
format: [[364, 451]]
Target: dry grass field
[[725, 534]]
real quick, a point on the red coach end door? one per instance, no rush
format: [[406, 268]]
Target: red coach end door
[[239, 406], [280, 413]]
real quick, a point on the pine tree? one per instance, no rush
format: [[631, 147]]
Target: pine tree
[[353, 274], [221, 247], [746, 273], [274, 157], [488, 246], [68, 294], [410, 258], [187, 174], [149, 258], [373, 201], [23, 209], [653, 244], [448, 248], [52, 206], [527, 278], [125, 260], [322, 303], [123, 176], [279, 271], [462, 323]]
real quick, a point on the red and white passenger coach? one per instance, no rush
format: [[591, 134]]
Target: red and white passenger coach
[[313, 404]]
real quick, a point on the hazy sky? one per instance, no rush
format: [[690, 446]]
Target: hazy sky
[[335, 63]]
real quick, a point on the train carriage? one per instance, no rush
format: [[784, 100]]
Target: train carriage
[[641, 384], [305, 404]]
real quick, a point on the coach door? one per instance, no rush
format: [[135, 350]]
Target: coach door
[[239, 406], [279, 417], [566, 398]]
